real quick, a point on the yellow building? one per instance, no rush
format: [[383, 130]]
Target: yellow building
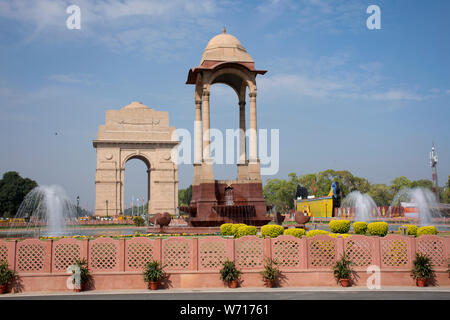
[[319, 207]]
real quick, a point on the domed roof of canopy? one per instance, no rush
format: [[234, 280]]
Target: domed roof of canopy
[[223, 50], [226, 48]]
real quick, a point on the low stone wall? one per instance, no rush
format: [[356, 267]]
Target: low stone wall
[[195, 262]]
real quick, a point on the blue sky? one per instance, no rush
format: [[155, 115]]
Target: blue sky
[[343, 96]]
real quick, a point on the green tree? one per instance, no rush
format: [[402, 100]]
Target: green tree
[[13, 189], [423, 183], [322, 182], [185, 196], [381, 194], [307, 182], [281, 193], [445, 193], [400, 183]]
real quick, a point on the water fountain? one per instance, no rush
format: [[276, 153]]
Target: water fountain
[[46, 210], [363, 204], [425, 202]]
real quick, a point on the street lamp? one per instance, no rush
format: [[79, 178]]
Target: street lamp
[[78, 206], [106, 208]]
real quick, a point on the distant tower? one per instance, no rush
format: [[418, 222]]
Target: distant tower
[[433, 163]]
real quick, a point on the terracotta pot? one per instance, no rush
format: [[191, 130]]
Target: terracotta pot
[[421, 282], [269, 283], [153, 285], [2, 289], [79, 289], [345, 282], [233, 284]]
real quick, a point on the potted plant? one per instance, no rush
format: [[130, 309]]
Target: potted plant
[[422, 269], [270, 273], [153, 274], [342, 271], [6, 276], [230, 274], [85, 275]]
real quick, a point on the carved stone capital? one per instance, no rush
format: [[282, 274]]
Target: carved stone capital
[[252, 94]]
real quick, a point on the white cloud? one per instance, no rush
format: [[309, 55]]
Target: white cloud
[[12, 98], [332, 77], [323, 88], [41, 14], [45, 13], [72, 78], [300, 85], [333, 16], [155, 28]]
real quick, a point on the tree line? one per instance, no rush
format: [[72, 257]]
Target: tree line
[[278, 192], [281, 193], [13, 189]]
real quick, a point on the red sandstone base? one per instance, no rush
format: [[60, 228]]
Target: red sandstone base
[[186, 280], [216, 203]]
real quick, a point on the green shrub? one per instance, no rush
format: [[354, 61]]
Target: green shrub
[[229, 272], [339, 226], [296, 232], [272, 230], [336, 235], [312, 233], [271, 271], [342, 269], [226, 229], [138, 221], [85, 274], [422, 267], [378, 228], [360, 227], [154, 271], [6, 275], [412, 229], [235, 227], [246, 231], [426, 230]]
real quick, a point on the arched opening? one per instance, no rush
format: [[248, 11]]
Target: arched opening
[[136, 186], [224, 115]]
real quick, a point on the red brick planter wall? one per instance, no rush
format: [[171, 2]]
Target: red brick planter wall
[[195, 263]]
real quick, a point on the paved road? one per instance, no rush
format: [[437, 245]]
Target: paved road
[[246, 294]]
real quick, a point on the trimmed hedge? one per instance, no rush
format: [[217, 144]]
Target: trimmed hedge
[[296, 232], [378, 228], [339, 226], [336, 235], [360, 227], [246, 231], [235, 227], [138, 221], [412, 229], [226, 229], [426, 230], [272, 230], [312, 233]]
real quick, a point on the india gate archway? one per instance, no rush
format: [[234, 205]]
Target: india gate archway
[[135, 132], [214, 202]]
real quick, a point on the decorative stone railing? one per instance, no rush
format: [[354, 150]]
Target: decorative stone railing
[[179, 254]]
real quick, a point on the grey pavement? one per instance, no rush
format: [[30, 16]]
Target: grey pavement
[[303, 293]]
